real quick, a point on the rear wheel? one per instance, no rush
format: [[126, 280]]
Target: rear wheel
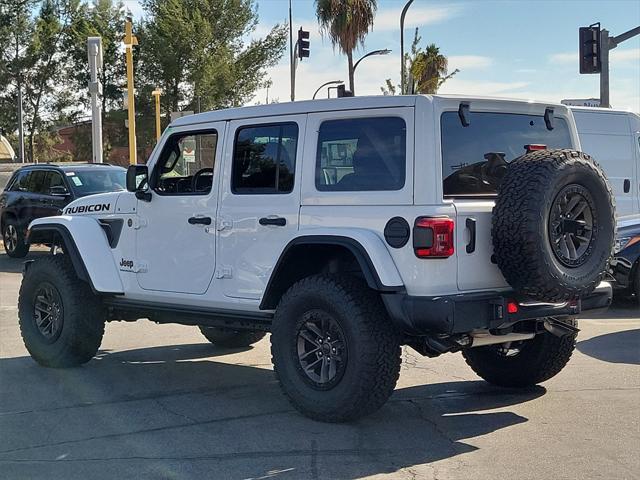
[[334, 350], [13, 238], [229, 338], [525, 363], [61, 320]]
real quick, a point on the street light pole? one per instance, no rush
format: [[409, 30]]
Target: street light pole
[[384, 51], [332, 82], [402, 65], [94, 50]]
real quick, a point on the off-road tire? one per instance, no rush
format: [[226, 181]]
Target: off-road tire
[[83, 315], [637, 290], [229, 338], [521, 225], [20, 248], [373, 362], [539, 359]]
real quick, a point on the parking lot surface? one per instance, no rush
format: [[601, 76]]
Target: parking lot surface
[[160, 402]]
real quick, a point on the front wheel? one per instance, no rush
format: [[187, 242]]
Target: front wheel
[[13, 238], [334, 350], [525, 363], [61, 320]]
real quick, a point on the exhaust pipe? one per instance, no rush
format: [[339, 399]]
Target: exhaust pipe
[[483, 338]]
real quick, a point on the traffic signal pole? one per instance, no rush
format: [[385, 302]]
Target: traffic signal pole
[[595, 44]]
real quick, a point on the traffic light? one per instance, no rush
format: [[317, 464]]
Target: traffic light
[[590, 49], [303, 44]]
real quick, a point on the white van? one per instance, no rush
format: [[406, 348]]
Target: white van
[[612, 137]]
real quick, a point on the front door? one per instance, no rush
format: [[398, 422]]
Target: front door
[[175, 243], [260, 204]]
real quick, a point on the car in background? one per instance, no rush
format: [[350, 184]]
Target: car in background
[[43, 190], [626, 262]]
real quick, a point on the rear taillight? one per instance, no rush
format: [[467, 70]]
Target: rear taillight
[[433, 237]]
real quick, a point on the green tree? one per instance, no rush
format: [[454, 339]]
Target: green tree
[[426, 70], [105, 19], [346, 22], [195, 50]]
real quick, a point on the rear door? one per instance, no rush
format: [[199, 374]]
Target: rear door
[[260, 204], [474, 159]]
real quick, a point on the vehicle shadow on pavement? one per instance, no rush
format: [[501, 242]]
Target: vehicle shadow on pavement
[[616, 347], [14, 265], [174, 411]]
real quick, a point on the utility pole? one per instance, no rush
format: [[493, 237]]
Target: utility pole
[[402, 65], [129, 41], [156, 95], [20, 110], [94, 51]]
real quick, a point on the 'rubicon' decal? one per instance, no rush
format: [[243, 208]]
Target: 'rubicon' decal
[[98, 207]]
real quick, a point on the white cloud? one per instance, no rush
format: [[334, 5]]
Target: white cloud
[[618, 56], [468, 62], [417, 16], [489, 88]]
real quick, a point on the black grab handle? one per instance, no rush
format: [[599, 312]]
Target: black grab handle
[[277, 221], [200, 220], [471, 225]]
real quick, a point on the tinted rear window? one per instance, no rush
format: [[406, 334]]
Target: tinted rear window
[[475, 158]]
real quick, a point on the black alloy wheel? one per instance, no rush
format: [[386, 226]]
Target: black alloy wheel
[[322, 350], [572, 221], [48, 312]]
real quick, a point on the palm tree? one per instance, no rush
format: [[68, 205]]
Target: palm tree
[[347, 23], [428, 71]]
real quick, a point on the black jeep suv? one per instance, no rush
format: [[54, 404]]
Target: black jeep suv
[[43, 190]]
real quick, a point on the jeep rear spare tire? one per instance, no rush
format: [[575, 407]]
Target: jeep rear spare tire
[[553, 225]]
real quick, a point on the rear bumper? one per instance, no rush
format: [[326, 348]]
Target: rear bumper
[[482, 310]]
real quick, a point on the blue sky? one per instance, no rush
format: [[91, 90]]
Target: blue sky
[[516, 48]]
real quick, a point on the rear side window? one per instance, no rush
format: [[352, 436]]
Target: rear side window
[[264, 159], [475, 158], [361, 154]]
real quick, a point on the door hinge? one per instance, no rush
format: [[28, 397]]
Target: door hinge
[[139, 223], [224, 272], [224, 224]]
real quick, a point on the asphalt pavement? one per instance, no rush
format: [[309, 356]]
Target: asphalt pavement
[[160, 402]]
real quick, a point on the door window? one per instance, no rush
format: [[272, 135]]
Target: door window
[[53, 179], [264, 159], [36, 182], [361, 154], [21, 182], [186, 164]]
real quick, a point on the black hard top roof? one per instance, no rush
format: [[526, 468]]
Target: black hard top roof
[[71, 166]]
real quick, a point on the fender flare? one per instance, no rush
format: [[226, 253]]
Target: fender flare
[[374, 259], [88, 249]]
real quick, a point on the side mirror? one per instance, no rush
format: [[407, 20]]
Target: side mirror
[[59, 191], [138, 181]]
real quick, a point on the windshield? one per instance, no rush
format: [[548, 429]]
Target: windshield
[[88, 182]]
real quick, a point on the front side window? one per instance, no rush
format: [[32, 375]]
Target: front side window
[[475, 158], [361, 154], [264, 159], [186, 164]]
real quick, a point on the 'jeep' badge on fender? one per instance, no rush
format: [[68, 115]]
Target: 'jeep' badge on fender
[[126, 264]]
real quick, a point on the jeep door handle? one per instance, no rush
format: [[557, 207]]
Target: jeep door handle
[[471, 225], [277, 221], [200, 220]]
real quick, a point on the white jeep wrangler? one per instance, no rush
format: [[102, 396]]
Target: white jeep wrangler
[[346, 228]]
